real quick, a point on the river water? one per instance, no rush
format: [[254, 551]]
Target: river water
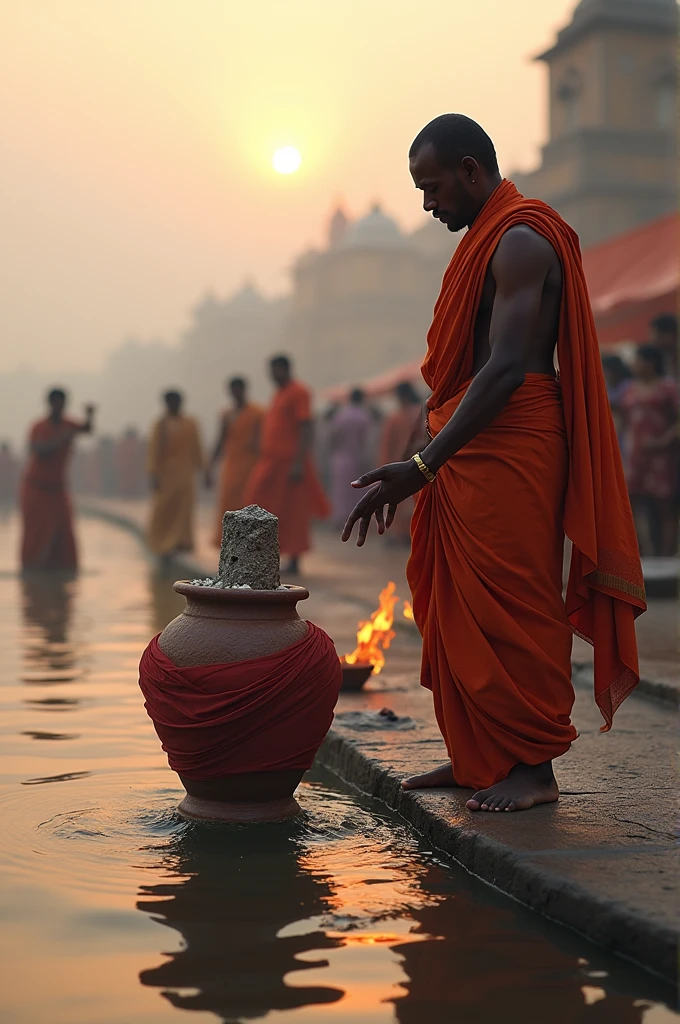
[[113, 911]]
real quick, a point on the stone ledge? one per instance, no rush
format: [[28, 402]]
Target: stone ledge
[[520, 874]]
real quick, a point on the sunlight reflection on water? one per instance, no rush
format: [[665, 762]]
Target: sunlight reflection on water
[[115, 911]]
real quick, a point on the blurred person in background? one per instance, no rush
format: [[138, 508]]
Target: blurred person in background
[[238, 446], [651, 453], [348, 442], [285, 481], [663, 333], [174, 456], [618, 376], [402, 435], [129, 465], [48, 540], [9, 477]]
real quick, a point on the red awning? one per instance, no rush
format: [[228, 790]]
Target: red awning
[[634, 277]]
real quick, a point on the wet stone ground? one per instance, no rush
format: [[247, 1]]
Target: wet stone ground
[[113, 911]]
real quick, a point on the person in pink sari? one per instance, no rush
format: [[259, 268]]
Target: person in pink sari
[[348, 439], [650, 450]]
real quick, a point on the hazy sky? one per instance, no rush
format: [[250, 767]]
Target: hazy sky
[[138, 135]]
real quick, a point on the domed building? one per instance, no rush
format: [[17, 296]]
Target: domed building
[[363, 304]]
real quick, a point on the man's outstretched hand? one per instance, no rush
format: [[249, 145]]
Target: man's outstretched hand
[[389, 486]]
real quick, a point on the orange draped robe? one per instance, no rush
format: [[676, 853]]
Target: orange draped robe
[[48, 540], [238, 460], [488, 534], [173, 457], [295, 503]]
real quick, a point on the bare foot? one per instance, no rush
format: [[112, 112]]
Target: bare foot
[[525, 786], [442, 776]]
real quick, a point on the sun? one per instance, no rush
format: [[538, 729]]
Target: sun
[[286, 160]]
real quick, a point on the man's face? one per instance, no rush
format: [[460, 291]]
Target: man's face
[[446, 191], [280, 374], [665, 340], [57, 405], [174, 404], [238, 393]]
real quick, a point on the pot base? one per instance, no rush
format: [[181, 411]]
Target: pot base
[[194, 809]]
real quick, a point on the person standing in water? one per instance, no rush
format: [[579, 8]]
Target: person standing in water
[[48, 540], [518, 457], [238, 446], [174, 456]]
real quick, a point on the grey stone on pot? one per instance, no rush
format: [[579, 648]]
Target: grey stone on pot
[[250, 549]]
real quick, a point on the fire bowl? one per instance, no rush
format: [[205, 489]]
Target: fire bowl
[[354, 676]]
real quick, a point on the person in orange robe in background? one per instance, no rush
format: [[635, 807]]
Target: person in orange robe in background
[[238, 446], [399, 431], [174, 457], [48, 540], [519, 457], [284, 481]]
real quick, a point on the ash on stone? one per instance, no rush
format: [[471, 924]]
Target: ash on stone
[[250, 550], [366, 720]]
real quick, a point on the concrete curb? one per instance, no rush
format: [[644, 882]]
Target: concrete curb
[[612, 926]]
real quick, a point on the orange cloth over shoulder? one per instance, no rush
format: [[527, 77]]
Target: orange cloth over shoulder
[[240, 454], [48, 540], [295, 503], [488, 534]]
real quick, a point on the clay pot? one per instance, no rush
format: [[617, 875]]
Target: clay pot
[[224, 626]]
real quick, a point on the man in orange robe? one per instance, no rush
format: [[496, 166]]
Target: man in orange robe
[[284, 480], [519, 456], [48, 540], [238, 446], [174, 457]]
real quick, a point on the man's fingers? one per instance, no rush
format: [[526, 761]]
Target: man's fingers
[[354, 516], [380, 519], [391, 513], [363, 529], [374, 476]]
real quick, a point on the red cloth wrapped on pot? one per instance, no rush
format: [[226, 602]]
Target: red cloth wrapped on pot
[[267, 714]]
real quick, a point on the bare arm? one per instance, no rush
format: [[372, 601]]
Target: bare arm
[[66, 434], [520, 267]]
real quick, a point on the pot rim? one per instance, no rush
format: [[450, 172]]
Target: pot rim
[[237, 595]]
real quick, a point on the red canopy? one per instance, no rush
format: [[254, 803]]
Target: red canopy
[[631, 279]]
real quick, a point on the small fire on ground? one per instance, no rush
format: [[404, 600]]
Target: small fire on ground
[[376, 634]]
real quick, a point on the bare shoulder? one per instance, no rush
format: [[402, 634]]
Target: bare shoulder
[[523, 255]]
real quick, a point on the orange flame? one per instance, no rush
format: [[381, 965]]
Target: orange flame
[[408, 611], [376, 635]]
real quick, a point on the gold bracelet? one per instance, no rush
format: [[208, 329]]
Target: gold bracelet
[[425, 470]]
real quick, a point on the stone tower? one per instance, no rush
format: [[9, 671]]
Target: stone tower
[[610, 161]]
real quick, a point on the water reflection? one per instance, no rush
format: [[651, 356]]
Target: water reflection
[[47, 605], [486, 965], [235, 890]]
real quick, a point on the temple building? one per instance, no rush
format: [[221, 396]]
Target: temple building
[[610, 163], [365, 301]]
